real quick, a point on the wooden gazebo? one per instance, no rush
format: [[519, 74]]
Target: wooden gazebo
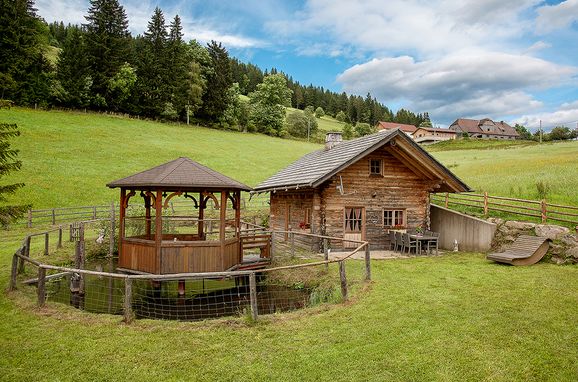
[[161, 243]]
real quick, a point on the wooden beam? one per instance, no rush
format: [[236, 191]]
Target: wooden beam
[[121, 216], [223, 217], [201, 216], [407, 161], [158, 230]]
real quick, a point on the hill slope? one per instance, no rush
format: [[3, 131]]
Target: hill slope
[[68, 157]]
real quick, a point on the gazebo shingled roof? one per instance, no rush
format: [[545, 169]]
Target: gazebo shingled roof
[[182, 173]]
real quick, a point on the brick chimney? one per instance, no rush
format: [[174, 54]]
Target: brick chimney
[[332, 139]]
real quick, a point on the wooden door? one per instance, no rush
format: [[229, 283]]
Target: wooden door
[[353, 225]]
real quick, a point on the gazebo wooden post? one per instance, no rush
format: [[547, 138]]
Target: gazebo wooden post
[[201, 215], [223, 218], [158, 229], [237, 206], [147, 200], [122, 213]]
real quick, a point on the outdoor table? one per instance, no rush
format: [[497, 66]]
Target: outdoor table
[[423, 239]]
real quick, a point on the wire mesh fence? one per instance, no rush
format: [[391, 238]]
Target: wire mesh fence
[[305, 270]]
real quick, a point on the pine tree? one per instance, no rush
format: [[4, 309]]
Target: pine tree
[[24, 71], [8, 164], [215, 98], [72, 72], [107, 45], [177, 62]]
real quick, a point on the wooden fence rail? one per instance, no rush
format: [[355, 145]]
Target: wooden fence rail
[[22, 256], [61, 215], [541, 210]]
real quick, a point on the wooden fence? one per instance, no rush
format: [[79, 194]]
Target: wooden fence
[[62, 215], [22, 258], [523, 209]]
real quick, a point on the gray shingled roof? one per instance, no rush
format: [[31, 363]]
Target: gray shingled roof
[[315, 168], [182, 173]]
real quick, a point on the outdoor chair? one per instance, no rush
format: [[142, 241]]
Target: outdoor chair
[[399, 241], [409, 243], [431, 243], [392, 243]]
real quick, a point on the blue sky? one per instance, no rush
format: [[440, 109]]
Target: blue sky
[[512, 60]]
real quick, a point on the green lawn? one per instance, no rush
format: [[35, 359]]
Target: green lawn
[[454, 317]]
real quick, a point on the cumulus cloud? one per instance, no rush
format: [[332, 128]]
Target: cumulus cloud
[[139, 13], [460, 84], [551, 17], [565, 115], [428, 28]]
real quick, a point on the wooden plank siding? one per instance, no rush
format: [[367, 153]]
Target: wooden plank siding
[[401, 186]]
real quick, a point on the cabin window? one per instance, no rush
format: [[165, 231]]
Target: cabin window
[[375, 167], [393, 218], [353, 218]]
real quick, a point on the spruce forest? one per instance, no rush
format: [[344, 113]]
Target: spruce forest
[[100, 66]]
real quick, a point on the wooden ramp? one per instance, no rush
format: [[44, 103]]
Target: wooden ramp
[[526, 250]]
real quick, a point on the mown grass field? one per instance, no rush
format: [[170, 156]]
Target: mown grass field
[[453, 317]]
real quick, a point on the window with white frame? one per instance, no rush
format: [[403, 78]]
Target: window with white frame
[[393, 218]]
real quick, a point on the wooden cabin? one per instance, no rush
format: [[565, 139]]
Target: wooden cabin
[[154, 240], [358, 189]]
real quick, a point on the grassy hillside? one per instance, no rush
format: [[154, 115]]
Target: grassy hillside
[[69, 157], [325, 123], [516, 170]]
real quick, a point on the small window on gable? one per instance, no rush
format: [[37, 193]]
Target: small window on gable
[[393, 218], [375, 167]]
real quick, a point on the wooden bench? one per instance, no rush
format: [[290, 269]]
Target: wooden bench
[[261, 242], [525, 250]]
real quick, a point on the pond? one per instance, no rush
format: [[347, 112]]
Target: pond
[[186, 300]]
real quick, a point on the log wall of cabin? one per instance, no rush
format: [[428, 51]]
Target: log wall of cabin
[[298, 203], [398, 188]]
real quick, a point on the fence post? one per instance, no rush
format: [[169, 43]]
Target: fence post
[[26, 254], [46, 242], [326, 253], [128, 316], [29, 219], [253, 295], [485, 203], [343, 279], [367, 263], [94, 213], [41, 287], [59, 237], [543, 208], [53, 217], [13, 273], [112, 229], [447, 196]]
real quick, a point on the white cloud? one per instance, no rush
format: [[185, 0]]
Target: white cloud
[[229, 40], [551, 17], [468, 83], [537, 46], [427, 28], [566, 115], [62, 10]]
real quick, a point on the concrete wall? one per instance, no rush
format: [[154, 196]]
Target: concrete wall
[[472, 234]]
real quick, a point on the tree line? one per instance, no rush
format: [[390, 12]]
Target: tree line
[[100, 66]]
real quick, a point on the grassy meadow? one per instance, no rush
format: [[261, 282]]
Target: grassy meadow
[[442, 318]]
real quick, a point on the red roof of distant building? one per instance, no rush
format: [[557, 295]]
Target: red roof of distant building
[[394, 125]]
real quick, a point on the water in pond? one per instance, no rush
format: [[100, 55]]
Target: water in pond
[[195, 300]]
